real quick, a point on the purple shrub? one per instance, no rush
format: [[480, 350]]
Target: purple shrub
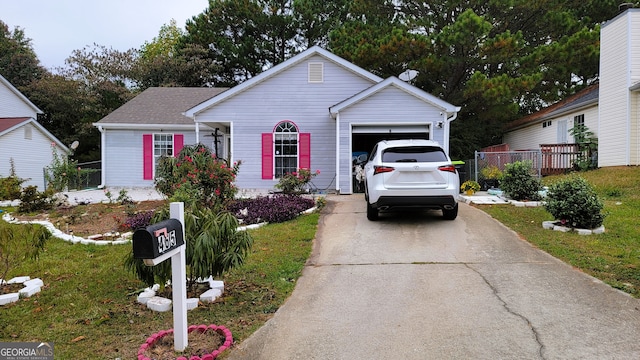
[[139, 220], [273, 209]]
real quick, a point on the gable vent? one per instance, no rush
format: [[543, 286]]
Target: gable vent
[[316, 72]]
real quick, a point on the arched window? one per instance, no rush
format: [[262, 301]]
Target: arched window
[[285, 137], [285, 150]]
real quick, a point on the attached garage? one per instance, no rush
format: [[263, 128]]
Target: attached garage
[[391, 109]]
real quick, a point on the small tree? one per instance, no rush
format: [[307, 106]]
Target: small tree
[[588, 147], [573, 201], [518, 181], [19, 243]]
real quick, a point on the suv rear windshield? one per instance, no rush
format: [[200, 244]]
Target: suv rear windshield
[[414, 154]]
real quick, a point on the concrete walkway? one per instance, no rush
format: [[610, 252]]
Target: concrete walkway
[[413, 286]]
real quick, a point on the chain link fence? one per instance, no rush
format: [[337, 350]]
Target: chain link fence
[[485, 166]]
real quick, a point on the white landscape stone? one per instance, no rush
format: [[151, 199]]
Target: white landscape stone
[[34, 282], [210, 295], [192, 303], [548, 225], [144, 296], [217, 284], [29, 290], [159, 304], [561, 228], [19, 280], [9, 298]]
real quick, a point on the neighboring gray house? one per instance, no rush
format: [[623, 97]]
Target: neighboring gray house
[[313, 111], [610, 109], [22, 139]]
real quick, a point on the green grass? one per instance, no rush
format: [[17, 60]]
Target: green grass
[[613, 257], [88, 306]]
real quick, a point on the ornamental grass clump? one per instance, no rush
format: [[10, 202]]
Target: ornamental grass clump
[[519, 183], [574, 203]]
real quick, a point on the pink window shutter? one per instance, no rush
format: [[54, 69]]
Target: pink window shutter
[[305, 151], [147, 156], [267, 156], [178, 144]]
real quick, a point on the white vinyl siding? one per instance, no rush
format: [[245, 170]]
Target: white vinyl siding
[[619, 68], [123, 161], [288, 96], [30, 156], [532, 136], [12, 105]]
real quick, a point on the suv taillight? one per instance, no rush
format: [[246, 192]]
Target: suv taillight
[[382, 169], [448, 168]]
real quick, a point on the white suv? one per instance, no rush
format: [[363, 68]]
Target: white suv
[[407, 174]]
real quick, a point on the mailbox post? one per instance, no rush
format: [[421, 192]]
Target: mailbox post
[[159, 242]]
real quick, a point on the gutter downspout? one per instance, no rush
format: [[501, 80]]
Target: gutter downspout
[[338, 153], [197, 131], [103, 163], [447, 131]]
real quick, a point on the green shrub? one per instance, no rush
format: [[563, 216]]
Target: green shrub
[[518, 181], [573, 201], [33, 200], [208, 181], [11, 186], [296, 182]]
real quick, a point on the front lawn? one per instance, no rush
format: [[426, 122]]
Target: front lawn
[[613, 257], [88, 305]]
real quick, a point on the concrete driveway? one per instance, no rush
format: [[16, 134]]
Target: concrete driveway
[[413, 286]]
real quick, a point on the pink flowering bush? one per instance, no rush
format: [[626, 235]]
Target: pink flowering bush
[[195, 175], [295, 182]]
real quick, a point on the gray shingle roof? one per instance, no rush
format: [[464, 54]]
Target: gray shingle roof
[[160, 105]]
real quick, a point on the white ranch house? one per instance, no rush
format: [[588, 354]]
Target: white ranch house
[[22, 139], [315, 110], [610, 109]]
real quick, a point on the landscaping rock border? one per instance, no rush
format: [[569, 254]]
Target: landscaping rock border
[[161, 304], [97, 239], [31, 287], [553, 225]]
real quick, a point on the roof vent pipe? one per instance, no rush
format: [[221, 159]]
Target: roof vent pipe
[[624, 6]]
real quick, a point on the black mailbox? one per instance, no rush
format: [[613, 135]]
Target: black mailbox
[[155, 240]]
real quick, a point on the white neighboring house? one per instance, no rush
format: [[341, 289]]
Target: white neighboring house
[[23, 139], [610, 109]]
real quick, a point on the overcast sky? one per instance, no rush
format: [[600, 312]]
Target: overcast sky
[[57, 27]]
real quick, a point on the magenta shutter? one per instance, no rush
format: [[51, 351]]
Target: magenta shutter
[[147, 156], [305, 151], [178, 144], [267, 156]]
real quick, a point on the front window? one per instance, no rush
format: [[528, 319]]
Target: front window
[[162, 146], [286, 148]]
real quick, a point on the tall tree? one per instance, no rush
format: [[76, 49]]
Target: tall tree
[[495, 58], [163, 62], [244, 37], [18, 62]]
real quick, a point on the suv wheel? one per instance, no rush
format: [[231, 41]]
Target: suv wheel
[[450, 214], [372, 213]]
